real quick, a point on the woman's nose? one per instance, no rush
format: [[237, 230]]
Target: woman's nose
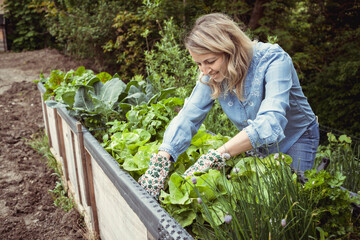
[[205, 69]]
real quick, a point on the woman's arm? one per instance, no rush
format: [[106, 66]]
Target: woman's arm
[[181, 129], [236, 145]]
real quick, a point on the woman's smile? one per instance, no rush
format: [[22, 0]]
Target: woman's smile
[[211, 64]]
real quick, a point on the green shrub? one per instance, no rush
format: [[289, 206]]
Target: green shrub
[[169, 64], [84, 28], [26, 28], [133, 35]]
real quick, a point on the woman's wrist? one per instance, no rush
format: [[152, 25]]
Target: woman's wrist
[[164, 154], [224, 152]]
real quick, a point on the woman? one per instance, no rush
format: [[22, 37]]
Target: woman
[[258, 89]]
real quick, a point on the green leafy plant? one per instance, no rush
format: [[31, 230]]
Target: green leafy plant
[[60, 196], [155, 117], [332, 203], [58, 82], [86, 97], [243, 186], [344, 157], [90, 100], [131, 142]]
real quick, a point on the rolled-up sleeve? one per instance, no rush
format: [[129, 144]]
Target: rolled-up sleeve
[[269, 124], [184, 126]]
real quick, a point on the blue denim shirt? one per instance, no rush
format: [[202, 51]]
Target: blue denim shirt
[[274, 114]]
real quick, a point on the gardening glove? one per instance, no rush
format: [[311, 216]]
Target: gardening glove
[[213, 159], [154, 178]]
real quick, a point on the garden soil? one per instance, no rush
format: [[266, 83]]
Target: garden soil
[[27, 209]]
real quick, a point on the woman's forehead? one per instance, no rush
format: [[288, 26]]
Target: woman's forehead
[[203, 57]]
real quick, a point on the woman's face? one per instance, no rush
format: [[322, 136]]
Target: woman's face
[[211, 64]]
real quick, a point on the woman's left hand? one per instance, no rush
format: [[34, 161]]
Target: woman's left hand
[[213, 159]]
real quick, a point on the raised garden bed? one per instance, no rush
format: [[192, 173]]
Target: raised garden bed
[[113, 203], [100, 170]]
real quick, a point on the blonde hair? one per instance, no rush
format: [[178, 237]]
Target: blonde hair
[[218, 33]]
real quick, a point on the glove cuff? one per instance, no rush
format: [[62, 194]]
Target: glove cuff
[[218, 157]]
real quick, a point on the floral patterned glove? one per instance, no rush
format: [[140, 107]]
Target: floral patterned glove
[[213, 159], [153, 179]]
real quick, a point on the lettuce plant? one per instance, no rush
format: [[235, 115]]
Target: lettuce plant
[[98, 99]]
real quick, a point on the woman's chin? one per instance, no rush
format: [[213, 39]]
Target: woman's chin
[[217, 78]]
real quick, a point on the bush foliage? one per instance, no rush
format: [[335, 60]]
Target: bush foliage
[[129, 38]]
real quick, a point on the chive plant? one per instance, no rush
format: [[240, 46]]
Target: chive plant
[[265, 204]]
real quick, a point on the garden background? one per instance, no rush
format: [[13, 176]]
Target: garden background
[[143, 37], [142, 40]]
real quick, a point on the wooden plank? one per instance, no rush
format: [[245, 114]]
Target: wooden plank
[[51, 113], [84, 210], [60, 137], [60, 165], [68, 155], [81, 148], [77, 169], [46, 120], [77, 155], [117, 220], [88, 178], [92, 192]]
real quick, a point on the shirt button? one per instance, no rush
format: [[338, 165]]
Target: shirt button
[[230, 103], [251, 103]]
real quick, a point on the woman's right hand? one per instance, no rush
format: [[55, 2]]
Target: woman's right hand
[[154, 178]]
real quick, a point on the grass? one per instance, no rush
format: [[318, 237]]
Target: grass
[[39, 142]]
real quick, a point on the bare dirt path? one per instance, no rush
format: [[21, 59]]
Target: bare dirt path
[[27, 210]]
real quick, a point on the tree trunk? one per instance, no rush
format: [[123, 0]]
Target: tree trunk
[[184, 16], [257, 14]]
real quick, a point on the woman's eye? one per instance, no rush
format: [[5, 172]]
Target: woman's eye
[[206, 62]]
